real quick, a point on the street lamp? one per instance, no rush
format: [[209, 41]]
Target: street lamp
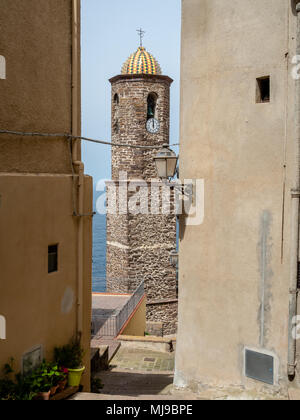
[[166, 168], [166, 162]]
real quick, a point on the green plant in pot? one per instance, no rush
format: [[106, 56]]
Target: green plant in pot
[[7, 385], [15, 387], [70, 357], [43, 381], [39, 382], [56, 377]]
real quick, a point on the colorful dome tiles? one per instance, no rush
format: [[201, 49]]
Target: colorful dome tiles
[[141, 62]]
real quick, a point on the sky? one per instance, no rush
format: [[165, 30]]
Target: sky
[[109, 37]]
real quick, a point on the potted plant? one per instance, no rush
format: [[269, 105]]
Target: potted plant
[[7, 386], [39, 384], [70, 357], [43, 381], [57, 378], [64, 379]]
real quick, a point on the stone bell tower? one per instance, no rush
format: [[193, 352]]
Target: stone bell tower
[[139, 242]]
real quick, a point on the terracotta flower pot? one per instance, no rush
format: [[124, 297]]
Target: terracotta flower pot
[[53, 390], [62, 385], [44, 396]]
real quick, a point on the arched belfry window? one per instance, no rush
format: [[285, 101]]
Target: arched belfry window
[[116, 99], [151, 105], [2, 67], [116, 127]]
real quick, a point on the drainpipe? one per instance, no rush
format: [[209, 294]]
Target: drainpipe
[[295, 194], [75, 76], [76, 131], [80, 170]]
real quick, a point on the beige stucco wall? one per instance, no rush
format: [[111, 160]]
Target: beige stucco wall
[[36, 206], [36, 39], [40, 308], [137, 323], [238, 259]]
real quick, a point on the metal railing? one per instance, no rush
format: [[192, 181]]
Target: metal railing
[[130, 306], [110, 326]]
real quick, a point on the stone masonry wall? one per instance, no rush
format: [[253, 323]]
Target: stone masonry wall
[[165, 312], [129, 118], [138, 245]]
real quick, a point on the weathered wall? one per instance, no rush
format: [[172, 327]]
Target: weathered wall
[[165, 311], [234, 268], [36, 206], [36, 39], [40, 308]]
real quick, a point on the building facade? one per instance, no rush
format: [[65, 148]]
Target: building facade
[[139, 236], [239, 133], [45, 199]]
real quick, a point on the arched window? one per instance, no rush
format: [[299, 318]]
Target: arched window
[[116, 99], [2, 67], [2, 328], [151, 105], [116, 127]]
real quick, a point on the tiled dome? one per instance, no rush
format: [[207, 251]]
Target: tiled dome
[[141, 62]]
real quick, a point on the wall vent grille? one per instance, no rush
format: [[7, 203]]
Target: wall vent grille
[[259, 366]]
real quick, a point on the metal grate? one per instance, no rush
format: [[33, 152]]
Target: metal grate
[[259, 366]]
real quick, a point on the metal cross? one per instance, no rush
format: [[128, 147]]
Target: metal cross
[[141, 35]]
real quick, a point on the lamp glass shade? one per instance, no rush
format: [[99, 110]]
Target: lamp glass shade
[[171, 166], [161, 167], [166, 163]]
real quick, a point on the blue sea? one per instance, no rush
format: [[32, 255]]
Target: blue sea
[[99, 253]]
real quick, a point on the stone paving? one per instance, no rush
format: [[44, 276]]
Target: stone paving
[[137, 374], [143, 360]]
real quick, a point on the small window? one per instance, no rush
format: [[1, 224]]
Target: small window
[[263, 89], [52, 258]]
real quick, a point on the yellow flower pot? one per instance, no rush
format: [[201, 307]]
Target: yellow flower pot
[[74, 377]]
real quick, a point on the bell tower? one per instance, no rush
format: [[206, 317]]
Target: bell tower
[[139, 243]]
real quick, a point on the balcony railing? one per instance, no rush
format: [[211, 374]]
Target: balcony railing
[[111, 326]]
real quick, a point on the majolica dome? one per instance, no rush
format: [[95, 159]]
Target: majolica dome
[[141, 62]]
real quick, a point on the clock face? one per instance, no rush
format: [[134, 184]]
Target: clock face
[[153, 126]]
